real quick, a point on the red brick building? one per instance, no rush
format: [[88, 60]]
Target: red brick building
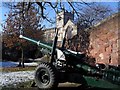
[[102, 41]]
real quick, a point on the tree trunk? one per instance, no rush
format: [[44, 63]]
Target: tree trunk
[[22, 58], [19, 63], [19, 57]]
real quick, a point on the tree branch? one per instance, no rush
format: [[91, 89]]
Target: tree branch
[[42, 9], [73, 8]]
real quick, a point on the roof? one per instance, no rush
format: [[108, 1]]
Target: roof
[[69, 21], [45, 29]]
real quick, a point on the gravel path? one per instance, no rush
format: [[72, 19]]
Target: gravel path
[[13, 78]]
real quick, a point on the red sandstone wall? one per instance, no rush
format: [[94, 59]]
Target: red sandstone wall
[[104, 42]]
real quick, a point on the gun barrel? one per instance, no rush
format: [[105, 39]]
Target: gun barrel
[[36, 42], [29, 39]]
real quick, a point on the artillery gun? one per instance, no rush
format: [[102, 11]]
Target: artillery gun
[[64, 65]]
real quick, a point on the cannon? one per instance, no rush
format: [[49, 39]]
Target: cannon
[[64, 65]]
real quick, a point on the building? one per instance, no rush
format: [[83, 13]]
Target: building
[[104, 41], [64, 21], [101, 41]]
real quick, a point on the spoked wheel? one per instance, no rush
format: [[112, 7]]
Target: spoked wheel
[[45, 76]]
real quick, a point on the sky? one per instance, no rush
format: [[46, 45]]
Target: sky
[[4, 10]]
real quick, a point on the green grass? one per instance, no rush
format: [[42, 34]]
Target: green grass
[[15, 69]]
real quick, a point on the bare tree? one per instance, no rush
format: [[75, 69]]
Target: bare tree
[[93, 14], [88, 14], [44, 8]]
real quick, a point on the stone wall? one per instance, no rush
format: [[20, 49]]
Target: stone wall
[[104, 46]]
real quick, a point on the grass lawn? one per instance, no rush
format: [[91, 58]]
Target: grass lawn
[[15, 69]]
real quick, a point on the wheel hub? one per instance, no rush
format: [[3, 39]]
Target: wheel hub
[[44, 77]]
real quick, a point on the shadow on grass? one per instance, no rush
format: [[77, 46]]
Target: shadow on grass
[[60, 88]]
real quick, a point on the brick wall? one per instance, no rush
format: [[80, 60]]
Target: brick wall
[[101, 41], [104, 39]]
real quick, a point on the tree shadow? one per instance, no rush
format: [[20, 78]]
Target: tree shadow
[[62, 88], [79, 88]]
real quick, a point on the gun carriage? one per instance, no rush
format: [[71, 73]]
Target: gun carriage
[[64, 65]]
